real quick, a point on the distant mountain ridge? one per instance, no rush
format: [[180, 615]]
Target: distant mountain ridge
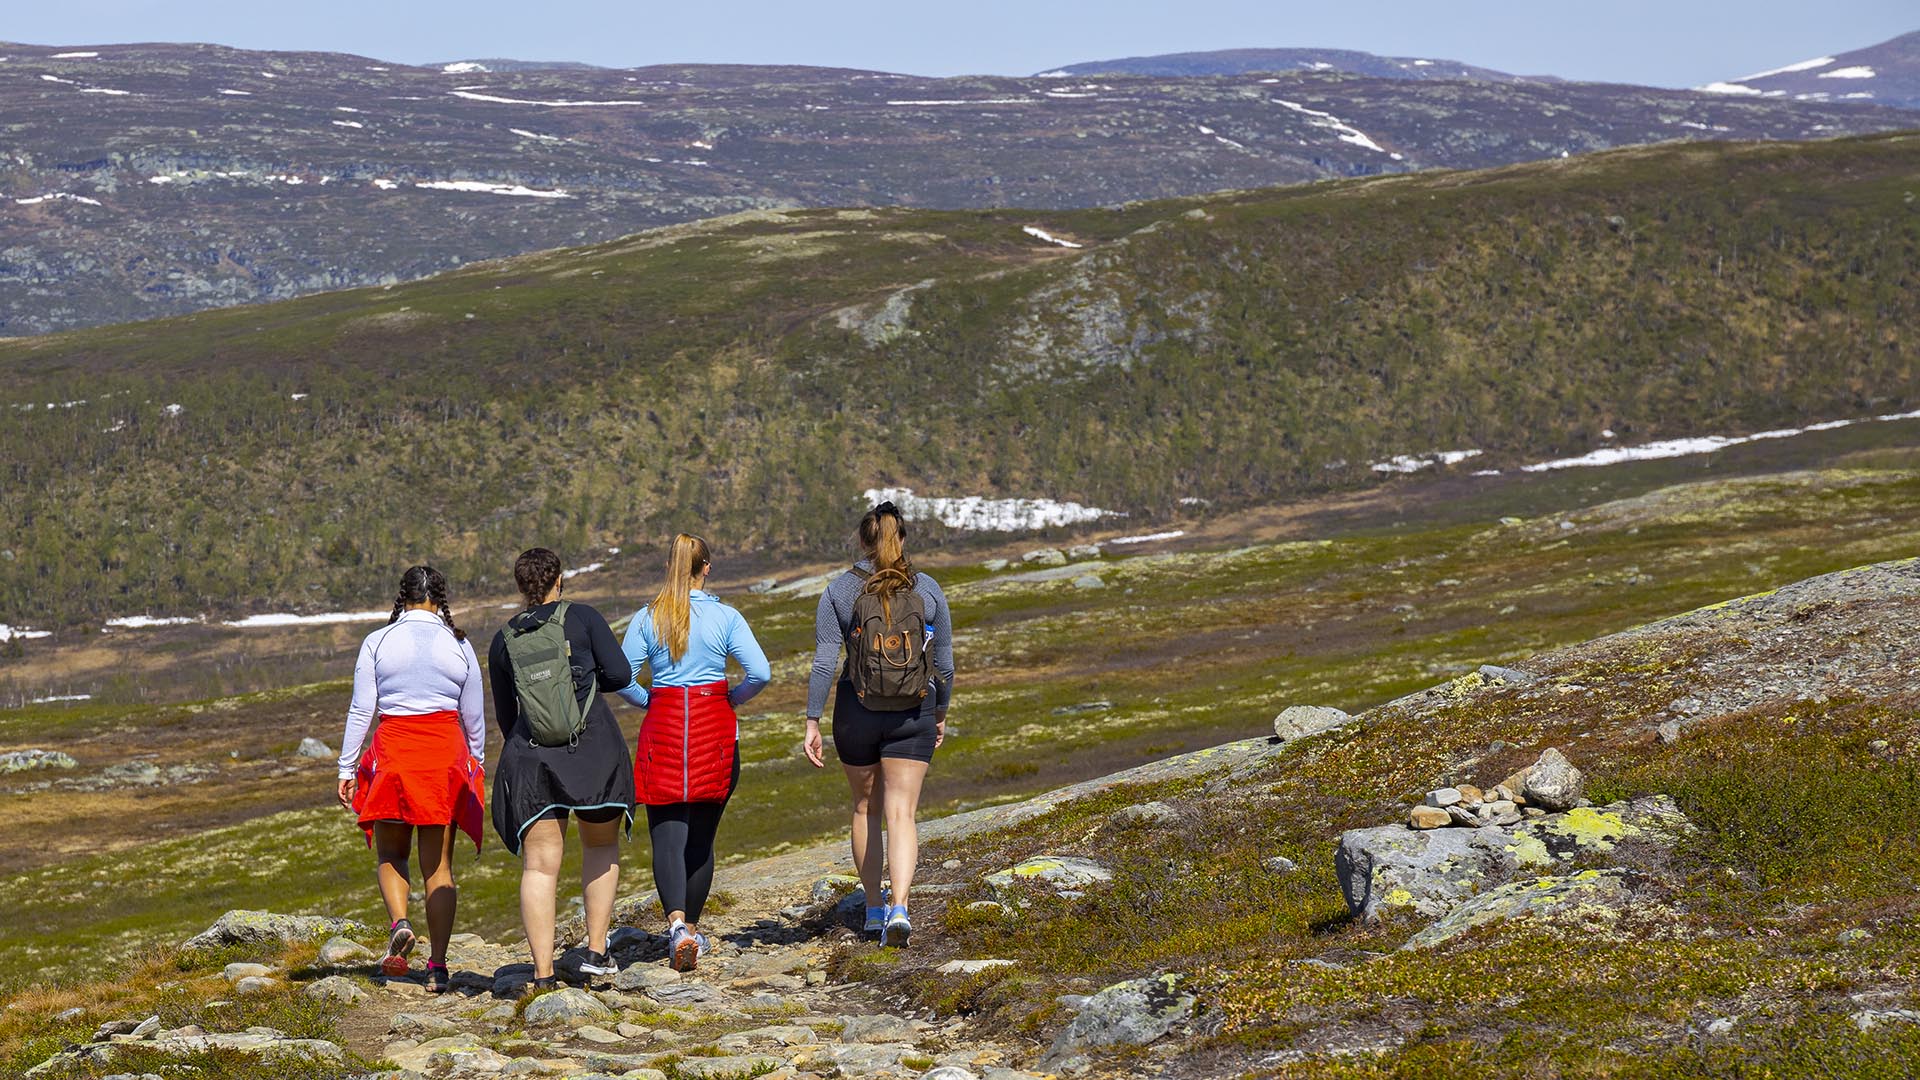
[[1884, 74], [1247, 61]]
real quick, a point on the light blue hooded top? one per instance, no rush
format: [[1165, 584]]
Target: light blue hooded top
[[714, 632]]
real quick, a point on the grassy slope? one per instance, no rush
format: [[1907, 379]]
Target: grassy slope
[[1190, 649], [1247, 348]]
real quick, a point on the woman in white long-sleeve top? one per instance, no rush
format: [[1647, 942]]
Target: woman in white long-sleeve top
[[423, 774]]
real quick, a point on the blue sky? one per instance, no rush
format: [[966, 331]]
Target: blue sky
[[1670, 43]]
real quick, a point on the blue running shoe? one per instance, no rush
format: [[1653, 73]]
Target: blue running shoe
[[898, 929], [876, 920]]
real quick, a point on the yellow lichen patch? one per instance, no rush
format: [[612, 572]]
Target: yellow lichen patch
[[1398, 898], [1590, 828], [1530, 851]]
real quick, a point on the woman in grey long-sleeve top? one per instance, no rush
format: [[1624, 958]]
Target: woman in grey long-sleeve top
[[884, 753]]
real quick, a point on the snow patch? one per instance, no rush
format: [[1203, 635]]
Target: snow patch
[[962, 101], [578, 570], [57, 196], [347, 123], [1409, 463], [236, 93], [75, 56], [252, 622], [174, 410], [1054, 75], [298, 397], [105, 90], [1729, 88], [1342, 130], [345, 108], [523, 133], [1705, 444], [487, 188], [1042, 234], [385, 185], [1804, 65], [1423, 63], [8, 633], [1149, 538], [466, 67], [975, 512], [143, 622], [561, 104], [60, 697], [58, 79], [1861, 72]]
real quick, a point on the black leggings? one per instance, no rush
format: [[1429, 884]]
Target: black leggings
[[682, 836]]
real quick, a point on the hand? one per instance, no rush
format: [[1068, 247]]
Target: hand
[[939, 729], [345, 794], [812, 745]]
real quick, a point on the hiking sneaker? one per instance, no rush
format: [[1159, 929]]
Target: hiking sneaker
[[876, 921], [394, 964], [536, 987], [598, 963], [897, 930], [684, 948], [439, 980]]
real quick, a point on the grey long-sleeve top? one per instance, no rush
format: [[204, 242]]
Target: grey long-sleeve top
[[833, 621]]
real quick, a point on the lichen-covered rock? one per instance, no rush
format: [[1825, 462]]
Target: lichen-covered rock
[[1148, 813], [261, 927], [1428, 872], [1132, 1013], [1045, 557], [344, 952], [1590, 898], [233, 973], [877, 1028], [1300, 721], [1064, 873], [25, 760], [335, 988], [564, 1005], [1553, 783]]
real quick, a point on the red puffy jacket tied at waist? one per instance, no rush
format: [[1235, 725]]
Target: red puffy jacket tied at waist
[[686, 746]]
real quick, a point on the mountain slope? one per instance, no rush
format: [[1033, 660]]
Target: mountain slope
[[1244, 61], [147, 180], [1885, 74], [753, 376]]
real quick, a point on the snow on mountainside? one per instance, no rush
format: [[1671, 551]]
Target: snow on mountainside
[[1244, 61], [1883, 74]]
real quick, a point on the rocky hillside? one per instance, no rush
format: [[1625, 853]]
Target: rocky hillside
[[1683, 850], [1886, 74], [147, 180], [1274, 61], [1240, 349]]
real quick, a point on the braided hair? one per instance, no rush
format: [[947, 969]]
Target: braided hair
[[536, 572], [419, 585]]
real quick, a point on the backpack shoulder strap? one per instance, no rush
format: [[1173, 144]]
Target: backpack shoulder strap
[[861, 572]]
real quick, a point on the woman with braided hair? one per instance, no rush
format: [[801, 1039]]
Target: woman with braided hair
[[422, 777]]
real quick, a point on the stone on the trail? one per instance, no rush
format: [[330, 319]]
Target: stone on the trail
[[994, 566], [643, 977], [263, 927], [972, 967], [1300, 721], [233, 973], [597, 1035], [878, 1028], [629, 1030], [562, 1006], [1132, 1013], [146, 1029], [683, 993], [465, 1061], [1278, 864], [343, 952], [745, 1065], [1084, 551], [1045, 557], [311, 747], [1588, 898], [948, 1072], [861, 1059], [1061, 872], [499, 1014], [1553, 783], [833, 887], [1506, 674], [24, 760], [1089, 581], [1148, 813], [421, 1025], [335, 988], [1444, 797], [256, 984], [1428, 817], [417, 1056]]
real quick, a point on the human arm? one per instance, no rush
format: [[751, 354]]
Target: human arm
[[612, 672], [635, 648], [359, 715], [827, 637], [742, 646], [506, 703], [473, 705], [942, 652]]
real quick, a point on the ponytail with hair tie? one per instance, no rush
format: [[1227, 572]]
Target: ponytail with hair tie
[[672, 608], [883, 537]]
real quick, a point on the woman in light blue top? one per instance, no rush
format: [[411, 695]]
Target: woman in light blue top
[[687, 761]]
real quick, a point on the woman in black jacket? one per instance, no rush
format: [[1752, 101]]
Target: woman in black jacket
[[590, 776]]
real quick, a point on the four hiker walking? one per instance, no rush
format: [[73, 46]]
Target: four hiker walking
[[417, 686]]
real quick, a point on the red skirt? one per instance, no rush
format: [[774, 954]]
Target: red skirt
[[419, 771], [686, 746]]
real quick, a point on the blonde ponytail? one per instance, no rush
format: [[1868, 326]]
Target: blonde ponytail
[[883, 536], [672, 613]]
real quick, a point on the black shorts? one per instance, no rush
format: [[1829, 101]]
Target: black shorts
[[862, 736], [598, 815]]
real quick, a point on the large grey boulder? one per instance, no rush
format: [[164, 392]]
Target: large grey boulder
[[335, 988], [311, 747], [877, 1028], [562, 1006], [24, 760], [1132, 1013], [1553, 783], [1064, 873], [1426, 871], [1591, 898], [262, 927], [1300, 721]]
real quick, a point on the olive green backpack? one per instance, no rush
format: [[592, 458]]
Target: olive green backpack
[[542, 661]]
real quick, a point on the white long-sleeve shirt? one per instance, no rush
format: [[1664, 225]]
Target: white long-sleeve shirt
[[409, 667]]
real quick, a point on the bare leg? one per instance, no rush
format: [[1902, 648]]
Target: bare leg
[[599, 877], [392, 843], [901, 783], [541, 851], [864, 780], [436, 875]]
